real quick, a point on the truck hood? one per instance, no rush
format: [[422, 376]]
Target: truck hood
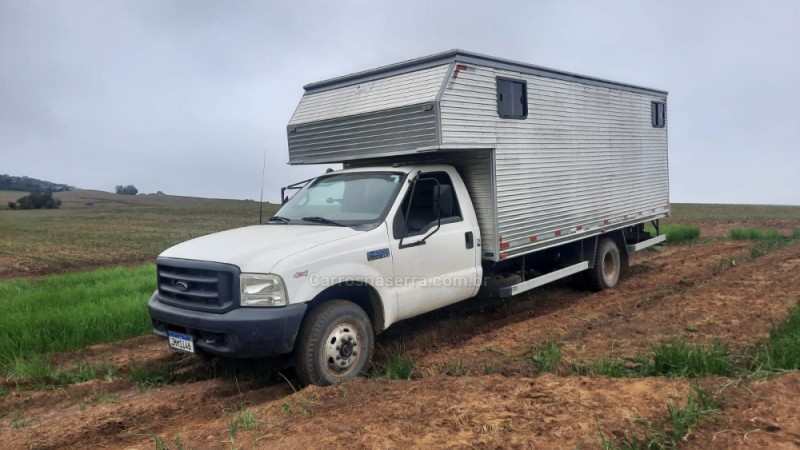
[[257, 248]]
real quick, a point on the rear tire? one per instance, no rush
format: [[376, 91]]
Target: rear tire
[[607, 266], [335, 344]]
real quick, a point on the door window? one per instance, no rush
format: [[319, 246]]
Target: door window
[[422, 215]]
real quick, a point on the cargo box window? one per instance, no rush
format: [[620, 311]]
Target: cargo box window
[[512, 99], [658, 114]]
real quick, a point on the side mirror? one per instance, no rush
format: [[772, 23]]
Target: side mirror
[[437, 206]]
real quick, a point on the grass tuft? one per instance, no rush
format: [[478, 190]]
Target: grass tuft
[[766, 241], [677, 232], [671, 358], [547, 357], [400, 367], [161, 445], [680, 232], [453, 369], [753, 234], [682, 420], [104, 398], [146, 376], [782, 351], [678, 358], [723, 265], [38, 370], [18, 421], [765, 246]]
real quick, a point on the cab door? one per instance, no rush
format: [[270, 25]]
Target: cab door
[[435, 258]]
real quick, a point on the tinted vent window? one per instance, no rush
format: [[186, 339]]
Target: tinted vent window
[[658, 114], [512, 99]]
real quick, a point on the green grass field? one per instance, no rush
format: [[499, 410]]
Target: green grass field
[[68, 312], [687, 212], [117, 229]]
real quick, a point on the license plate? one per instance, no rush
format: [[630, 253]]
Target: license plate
[[181, 342]]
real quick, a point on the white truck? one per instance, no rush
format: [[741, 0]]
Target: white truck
[[464, 175]]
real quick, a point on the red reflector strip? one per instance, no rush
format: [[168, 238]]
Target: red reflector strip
[[558, 233], [504, 245], [533, 238]]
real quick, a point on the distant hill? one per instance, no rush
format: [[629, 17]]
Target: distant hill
[[27, 184]]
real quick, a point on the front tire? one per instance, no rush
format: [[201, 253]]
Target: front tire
[[607, 266], [335, 344]]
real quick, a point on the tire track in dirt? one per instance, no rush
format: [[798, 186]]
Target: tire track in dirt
[[83, 422], [454, 412], [113, 413], [480, 332], [737, 307]]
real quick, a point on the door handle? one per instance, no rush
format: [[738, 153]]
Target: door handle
[[468, 239]]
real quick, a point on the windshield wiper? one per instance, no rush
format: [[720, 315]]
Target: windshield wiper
[[279, 219], [324, 221]]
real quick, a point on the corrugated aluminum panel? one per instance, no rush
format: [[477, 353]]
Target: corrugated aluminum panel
[[475, 168], [585, 159], [376, 118], [367, 135], [412, 88]]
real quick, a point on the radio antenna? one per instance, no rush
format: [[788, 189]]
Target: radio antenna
[[261, 200]]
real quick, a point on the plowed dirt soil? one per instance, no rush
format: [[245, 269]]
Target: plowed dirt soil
[[474, 384]]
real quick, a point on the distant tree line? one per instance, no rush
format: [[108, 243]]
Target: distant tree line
[[12, 183], [127, 190], [36, 200]]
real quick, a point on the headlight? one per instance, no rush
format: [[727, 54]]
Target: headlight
[[261, 290]]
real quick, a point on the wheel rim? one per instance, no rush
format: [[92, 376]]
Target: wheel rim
[[341, 349], [609, 267]]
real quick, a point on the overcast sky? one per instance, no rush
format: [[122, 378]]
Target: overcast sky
[[185, 96]]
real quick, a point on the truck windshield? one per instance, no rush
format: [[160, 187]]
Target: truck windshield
[[347, 199]]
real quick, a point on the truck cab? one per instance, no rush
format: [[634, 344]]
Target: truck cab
[[375, 245]]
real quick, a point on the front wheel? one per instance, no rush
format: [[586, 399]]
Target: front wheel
[[335, 344], [607, 266]]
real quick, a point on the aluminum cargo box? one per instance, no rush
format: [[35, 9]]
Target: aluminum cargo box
[[588, 156]]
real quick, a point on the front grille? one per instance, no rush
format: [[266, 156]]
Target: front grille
[[198, 285]]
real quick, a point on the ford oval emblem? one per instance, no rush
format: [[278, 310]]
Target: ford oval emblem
[[182, 286]]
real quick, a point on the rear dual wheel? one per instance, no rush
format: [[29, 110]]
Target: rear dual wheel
[[608, 265]]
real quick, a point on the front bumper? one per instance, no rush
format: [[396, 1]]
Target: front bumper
[[240, 332]]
